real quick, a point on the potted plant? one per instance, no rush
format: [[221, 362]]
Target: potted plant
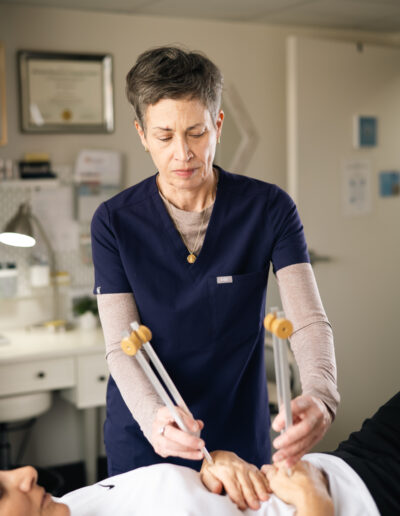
[[85, 309]]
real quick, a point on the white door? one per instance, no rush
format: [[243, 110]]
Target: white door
[[328, 83]]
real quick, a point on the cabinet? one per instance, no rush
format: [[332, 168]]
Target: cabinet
[[39, 375], [89, 389], [72, 363]]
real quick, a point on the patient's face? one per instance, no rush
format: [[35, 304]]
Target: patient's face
[[21, 496]]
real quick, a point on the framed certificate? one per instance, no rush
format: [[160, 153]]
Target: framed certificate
[[65, 93], [3, 108]]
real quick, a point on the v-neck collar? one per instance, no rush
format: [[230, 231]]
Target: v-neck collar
[[212, 230]]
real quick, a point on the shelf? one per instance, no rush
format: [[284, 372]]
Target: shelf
[[38, 292], [29, 183], [27, 296]]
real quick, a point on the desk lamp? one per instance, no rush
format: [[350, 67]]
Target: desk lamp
[[18, 232]]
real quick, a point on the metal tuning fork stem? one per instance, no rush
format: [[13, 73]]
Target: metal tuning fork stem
[[281, 330], [137, 344]]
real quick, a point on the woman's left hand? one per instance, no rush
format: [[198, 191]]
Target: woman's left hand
[[306, 487], [311, 419], [244, 483]]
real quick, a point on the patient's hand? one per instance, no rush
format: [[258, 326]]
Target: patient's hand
[[306, 488], [243, 482]]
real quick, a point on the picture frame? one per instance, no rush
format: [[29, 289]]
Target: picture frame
[[3, 104], [63, 92], [365, 131]]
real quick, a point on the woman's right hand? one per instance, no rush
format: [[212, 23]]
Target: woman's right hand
[[169, 440]]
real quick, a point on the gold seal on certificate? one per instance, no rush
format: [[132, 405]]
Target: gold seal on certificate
[[66, 115]]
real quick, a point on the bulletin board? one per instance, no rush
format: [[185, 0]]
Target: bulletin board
[[67, 254], [65, 208]]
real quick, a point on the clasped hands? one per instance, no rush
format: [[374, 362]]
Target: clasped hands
[[306, 488], [243, 482], [247, 486]]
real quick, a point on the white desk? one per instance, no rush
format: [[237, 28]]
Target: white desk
[[72, 362]]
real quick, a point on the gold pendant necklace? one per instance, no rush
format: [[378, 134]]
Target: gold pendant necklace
[[191, 257]]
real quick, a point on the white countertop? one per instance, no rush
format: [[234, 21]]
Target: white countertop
[[40, 344]]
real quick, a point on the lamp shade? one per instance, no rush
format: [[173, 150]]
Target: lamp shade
[[18, 231]]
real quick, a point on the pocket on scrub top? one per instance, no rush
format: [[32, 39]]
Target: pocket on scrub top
[[237, 305]]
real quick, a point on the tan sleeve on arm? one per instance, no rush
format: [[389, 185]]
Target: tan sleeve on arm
[[312, 339], [116, 312]]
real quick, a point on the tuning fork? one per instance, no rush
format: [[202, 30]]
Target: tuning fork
[[137, 344], [281, 330]]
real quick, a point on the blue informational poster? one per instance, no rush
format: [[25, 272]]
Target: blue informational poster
[[367, 131], [389, 183]]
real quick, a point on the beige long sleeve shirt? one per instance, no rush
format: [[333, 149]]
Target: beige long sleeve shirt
[[312, 340]]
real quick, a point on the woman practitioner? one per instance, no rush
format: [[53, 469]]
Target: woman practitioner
[[187, 252]]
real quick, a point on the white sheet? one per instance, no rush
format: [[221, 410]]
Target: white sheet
[[160, 490], [169, 490], [350, 495]]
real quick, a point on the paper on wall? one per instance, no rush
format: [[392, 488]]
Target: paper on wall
[[54, 209], [98, 166], [357, 195], [89, 198]]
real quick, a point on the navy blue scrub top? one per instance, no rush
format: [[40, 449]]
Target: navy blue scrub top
[[206, 317]]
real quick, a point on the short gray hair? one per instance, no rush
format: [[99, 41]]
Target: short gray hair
[[173, 73]]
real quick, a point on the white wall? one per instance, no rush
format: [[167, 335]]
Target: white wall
[[360, 286], [252, 57]]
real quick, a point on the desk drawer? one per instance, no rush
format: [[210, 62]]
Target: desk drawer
[[91, 384], [41, 375]]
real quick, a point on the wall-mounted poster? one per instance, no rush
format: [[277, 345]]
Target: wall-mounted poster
[[365, 131], [356, 187], [65, 92], [389, 183]]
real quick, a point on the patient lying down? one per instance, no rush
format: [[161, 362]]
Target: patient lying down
[[175, 490], [361, 477]]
